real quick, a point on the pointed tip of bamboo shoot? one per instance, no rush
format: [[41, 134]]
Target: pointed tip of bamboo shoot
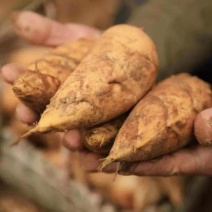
[[33, 131], [30, 132], [107, 161]]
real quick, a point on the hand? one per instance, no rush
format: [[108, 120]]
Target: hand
[[195, 160], [39, 30]]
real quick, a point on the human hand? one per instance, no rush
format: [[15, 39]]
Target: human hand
[[39, 30], [187, 161], [190, 161]]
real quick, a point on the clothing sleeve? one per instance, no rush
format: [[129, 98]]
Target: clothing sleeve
[[181, 30]]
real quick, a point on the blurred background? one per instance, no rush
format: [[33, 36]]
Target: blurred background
[[41, 175]]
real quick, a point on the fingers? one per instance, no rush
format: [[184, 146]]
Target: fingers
[[11, 71], [203, 127], [40, 30], [25, 114], [187, 161], [91, 163], [73, 140], [191, 161]]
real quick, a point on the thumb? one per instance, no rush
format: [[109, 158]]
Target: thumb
[[203, 127], [41, 30]]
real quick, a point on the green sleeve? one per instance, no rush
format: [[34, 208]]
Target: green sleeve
[[181, 30]]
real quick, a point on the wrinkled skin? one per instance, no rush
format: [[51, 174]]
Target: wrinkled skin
[[192, 160]]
